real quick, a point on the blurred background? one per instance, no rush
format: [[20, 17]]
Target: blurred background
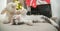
[[50, 10]]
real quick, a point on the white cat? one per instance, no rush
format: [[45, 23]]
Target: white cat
[[28, 19], [9, 10]]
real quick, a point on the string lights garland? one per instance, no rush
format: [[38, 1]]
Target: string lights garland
[[19, 5]]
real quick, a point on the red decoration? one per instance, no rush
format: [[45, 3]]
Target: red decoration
[[34, 3], [28, 2], [31, 3], [48, 1]]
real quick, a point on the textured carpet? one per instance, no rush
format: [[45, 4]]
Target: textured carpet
[[24, 27]]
